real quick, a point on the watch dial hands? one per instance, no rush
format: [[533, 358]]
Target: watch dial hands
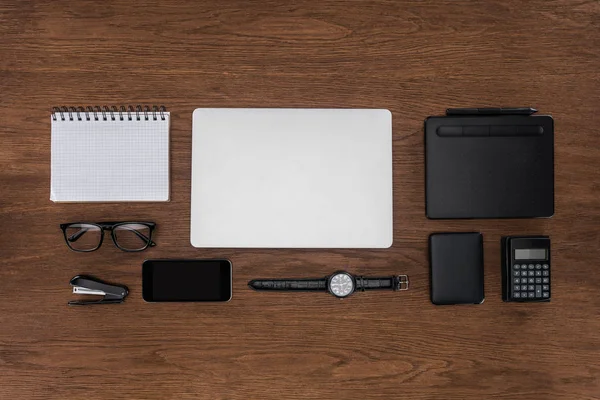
[[341, 285]]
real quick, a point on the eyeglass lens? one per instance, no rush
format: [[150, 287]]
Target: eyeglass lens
[[132, 237], [83, 237]]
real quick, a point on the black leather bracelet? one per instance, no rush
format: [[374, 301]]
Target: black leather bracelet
[[289, 284], [363, 283]]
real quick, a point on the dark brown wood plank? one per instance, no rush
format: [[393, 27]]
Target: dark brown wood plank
[[414, 58]]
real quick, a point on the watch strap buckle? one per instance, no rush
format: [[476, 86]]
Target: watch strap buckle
[[401, 282]]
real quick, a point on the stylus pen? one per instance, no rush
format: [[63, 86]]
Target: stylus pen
[[491, 111]]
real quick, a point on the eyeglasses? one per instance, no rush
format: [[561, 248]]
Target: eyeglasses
[[127, 236]]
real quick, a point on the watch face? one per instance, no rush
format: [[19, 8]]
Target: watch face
[[341, 284]]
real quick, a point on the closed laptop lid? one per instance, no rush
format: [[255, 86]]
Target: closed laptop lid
[[291, 178]]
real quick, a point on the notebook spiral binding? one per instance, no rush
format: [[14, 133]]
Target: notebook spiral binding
[[106, 113]]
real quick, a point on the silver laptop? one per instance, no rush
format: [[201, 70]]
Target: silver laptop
[[291, 178]]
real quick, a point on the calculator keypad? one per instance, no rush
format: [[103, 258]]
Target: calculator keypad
[[530, 282]]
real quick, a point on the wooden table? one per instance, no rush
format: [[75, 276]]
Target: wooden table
[[415, 59]]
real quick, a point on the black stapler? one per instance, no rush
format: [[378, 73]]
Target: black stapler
[[113, 294]]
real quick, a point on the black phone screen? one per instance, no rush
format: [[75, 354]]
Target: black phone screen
[[186, 280]]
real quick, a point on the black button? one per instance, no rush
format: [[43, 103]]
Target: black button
[[517, 273], [545, 295], [545, 280], [538, 273], [545, 273], [517, 280], [530, 130], [545, 266], [516, 287], [531, 273], [530, 287], [538, 266], [516, 266], [476, 130], [503, 130], [530, 280], [530, 266], [517, 295], [538, 280], [538, 291], [545, 288], [523, 280], [531, 295], [450, 131]]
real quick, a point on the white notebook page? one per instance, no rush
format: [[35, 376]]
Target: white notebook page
[[110, 160]]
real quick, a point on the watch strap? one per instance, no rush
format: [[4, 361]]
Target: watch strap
[[289, 284], [395, 283]]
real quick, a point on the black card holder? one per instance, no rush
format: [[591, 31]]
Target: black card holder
[[456, 261]]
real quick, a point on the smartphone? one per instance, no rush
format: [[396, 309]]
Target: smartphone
[[186, 280]]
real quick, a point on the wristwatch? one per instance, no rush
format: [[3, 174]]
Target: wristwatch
[[340, 284]]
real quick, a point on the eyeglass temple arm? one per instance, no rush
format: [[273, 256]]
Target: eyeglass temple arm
[[74, 237], [142, 236], [77, 235]]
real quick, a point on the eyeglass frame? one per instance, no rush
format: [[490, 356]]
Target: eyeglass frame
[[110, 226]]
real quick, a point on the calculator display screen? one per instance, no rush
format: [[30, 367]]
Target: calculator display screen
[[530, 254]]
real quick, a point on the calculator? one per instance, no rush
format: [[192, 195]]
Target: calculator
[[526, 268]]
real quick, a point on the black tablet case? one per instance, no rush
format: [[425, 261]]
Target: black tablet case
[[489, 166], [456, 261]]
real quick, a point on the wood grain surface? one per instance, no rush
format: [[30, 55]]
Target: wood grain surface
[[414, 58]]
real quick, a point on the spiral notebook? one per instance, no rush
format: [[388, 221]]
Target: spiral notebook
[[102, 154]]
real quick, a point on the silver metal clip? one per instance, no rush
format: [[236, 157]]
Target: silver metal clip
[[82, 290]]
